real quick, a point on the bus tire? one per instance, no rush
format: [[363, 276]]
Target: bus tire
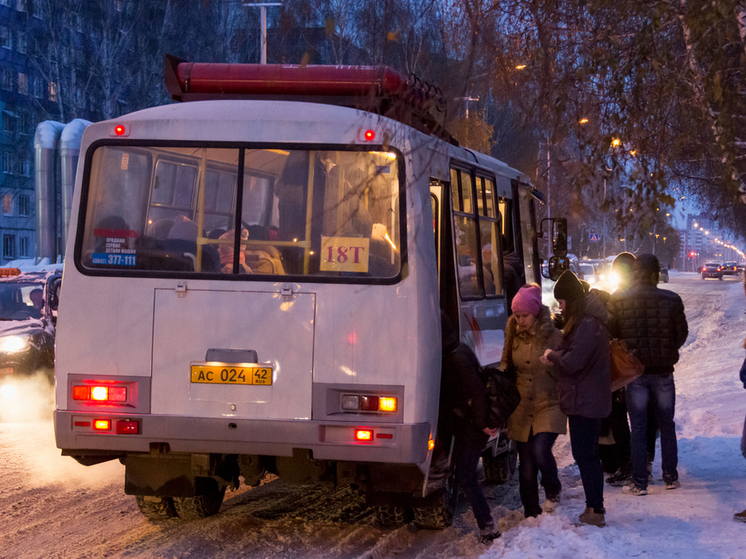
[[439, 514], [199, 506], [391, 516], [156, 509], [500, 469]]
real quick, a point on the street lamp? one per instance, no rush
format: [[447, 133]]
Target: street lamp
[[263, 17]]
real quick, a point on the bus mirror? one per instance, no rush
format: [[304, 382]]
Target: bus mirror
[[559, 236], [557, 265], [558, 232]]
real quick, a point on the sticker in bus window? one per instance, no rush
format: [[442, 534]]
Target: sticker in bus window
[[344, 254], [111, 259]]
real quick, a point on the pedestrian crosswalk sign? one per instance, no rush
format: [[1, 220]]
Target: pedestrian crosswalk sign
[[594, 237]]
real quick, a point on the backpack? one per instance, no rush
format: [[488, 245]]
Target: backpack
[[502, 395]]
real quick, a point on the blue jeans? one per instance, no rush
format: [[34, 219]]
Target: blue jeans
[[661, 390], [534, 456], [465, 459], [584, 433]]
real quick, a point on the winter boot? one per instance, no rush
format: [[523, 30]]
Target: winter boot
[[551, 503], [620, 478], [740, 516], [488, 533], [592, 518]]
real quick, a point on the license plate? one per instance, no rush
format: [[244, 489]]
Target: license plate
[[259, 374]]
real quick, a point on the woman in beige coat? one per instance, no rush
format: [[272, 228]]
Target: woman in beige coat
[[538, 421]]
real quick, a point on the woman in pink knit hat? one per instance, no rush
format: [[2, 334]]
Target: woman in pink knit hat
[[538, 421]]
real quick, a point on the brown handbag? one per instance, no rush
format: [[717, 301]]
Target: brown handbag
[[625, 367]]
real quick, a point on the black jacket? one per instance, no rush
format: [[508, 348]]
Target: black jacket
[[652, 323], [583, 364], [463, 399]]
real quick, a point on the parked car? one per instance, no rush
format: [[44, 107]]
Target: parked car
[[28, 314], [730, 269], [712, 270]]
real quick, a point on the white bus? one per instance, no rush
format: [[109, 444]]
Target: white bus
[[256, 282]]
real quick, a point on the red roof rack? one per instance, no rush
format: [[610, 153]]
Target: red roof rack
[[377, 89]]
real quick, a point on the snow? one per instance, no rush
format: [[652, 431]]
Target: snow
[[52, 507]]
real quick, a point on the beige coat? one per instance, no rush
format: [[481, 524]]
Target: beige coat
[[539, 408]]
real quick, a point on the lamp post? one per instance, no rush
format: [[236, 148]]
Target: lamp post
[[263, 17]]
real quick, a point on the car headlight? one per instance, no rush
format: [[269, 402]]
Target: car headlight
[[13, 344]]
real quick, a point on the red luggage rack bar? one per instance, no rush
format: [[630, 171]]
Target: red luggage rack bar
[[377, 89]]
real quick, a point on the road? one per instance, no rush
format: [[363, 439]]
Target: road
[[52, 507]]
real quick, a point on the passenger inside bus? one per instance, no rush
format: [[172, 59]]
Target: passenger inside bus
[[262, 258], [226, 252]]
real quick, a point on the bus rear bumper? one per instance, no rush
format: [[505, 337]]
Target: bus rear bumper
[[389, 443]]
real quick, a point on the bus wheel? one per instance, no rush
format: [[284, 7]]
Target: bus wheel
[[391, 516], [500, 469], [439, 513], [156, 508], [200, 506]]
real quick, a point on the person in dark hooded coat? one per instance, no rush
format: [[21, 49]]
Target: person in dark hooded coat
[[583, 368], [463, 416]]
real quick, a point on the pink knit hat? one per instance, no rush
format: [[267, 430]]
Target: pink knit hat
[[528, 299]]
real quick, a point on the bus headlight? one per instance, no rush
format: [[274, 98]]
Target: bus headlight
[[13, 344]]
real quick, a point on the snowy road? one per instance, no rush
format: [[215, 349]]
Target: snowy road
[[51, 507]]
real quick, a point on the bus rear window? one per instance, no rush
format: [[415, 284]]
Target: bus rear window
[[300, 212]]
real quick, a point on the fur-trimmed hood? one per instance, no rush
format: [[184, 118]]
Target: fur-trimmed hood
[[544, 327]]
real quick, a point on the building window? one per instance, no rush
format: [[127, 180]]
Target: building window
[[21, 43], [9, 247], [6, 79], [5, 35], [21, 5], [23, 246], [9, 122], [37, 87], [52, 91], [26, 172], [7, 163], [22, 83], [24, 205], [7, 204], [39, 8], [5, 3]]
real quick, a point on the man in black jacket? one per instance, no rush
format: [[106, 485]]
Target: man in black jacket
[[463, 415], [652, 323]]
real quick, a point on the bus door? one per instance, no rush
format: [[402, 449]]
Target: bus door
[[479, 272]]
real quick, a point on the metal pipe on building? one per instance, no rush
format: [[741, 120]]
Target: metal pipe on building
[[46, 142], [69, 151]]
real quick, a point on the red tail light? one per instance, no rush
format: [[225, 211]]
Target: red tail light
[[100, 393], [128, 427], [364, 435]]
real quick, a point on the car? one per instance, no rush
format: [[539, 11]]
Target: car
[[28, 315], [664, 275], [730, 269], [712, 270], [588, 273]]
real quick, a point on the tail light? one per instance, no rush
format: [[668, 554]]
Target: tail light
[[364, 435], [102, 424], [368, 403], [94, 393]]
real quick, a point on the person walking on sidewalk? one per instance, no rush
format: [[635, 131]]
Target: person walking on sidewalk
[[537, 421], [583, 368], [652, 323]]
